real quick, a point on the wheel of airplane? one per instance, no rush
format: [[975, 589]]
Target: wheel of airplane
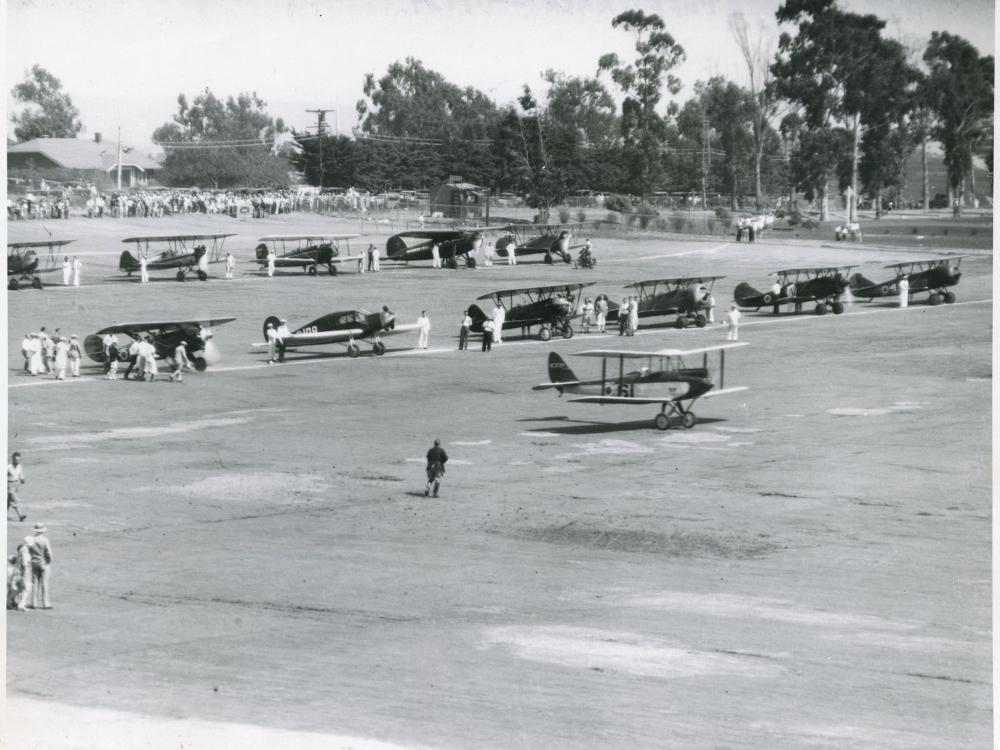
[[701, 321], [470, 262], [820, 308], [567, 258], [567, 331], [202, 276], [379, 348], [311, 270], [333, 270], [934, 299], [548, 258], [544, 333], [949, 297], [837, 307], [662, 422], [682, 321], [199, 363], [13, 284], [180, 276], [36, 283], [688, 420], [353, 350]]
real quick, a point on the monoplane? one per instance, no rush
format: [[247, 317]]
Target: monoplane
[[453, 243], [688, 297], [934, 275], [664, 379], [823, 285], [167, 334], [535, 239], [552, 308], [183, 253], [307, 251], [24, 263], [342, 327]]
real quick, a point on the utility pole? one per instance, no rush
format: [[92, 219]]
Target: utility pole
[[705, 163], [320, 123], [119, 159]]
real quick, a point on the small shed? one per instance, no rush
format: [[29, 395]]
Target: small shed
[[456, 199]]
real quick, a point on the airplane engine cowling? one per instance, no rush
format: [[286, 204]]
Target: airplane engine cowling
[[209, 355], [698, 295], [478, 316], [395, 246], [126, 261], [94, 348], [261, 251]]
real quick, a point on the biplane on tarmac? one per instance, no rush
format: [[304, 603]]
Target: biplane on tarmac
[[24, 263], [663, 379], [934, 275], [550, 239], [551, 307], [167, 334], [453, 243], [183, 253], [342, 327], [688, 297], [307, 251], [823, 285]]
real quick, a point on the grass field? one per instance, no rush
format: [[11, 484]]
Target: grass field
[[246, 559]]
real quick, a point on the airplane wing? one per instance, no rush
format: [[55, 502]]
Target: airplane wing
[[622, 400], [178, 238], [25, 245], [929, 261], [725, 391], [398, 328], [147, 326], [675, 280], [307, 237], [632, 354], [321, 337], [536, 289], [560, 384], [284, 260]]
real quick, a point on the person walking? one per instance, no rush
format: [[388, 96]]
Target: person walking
[[435, 256], [499, 316], [623, 310], [230, 264], [904, 290], [436, 459], [15, 477], [27, 349], [148, 354], [733, 320], [180, 362], [134, 359], [61, 358], [425, 329], [40, 550], [47, 349], [601, 306], [463, 332], [75, 355], [488, 335], [588, 314], [77, 266], [143, 269], [67, 271]]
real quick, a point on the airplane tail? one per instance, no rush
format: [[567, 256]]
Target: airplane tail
[[559, 371], [94, 348], [858, 282], [261, 251], [127, 261], [743, 292], [478, 316], [395, 246]]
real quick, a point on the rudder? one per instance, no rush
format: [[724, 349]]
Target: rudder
[[559, 371]]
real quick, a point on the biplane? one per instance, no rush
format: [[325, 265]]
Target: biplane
[[182, 253], [550, 239], [552, 308], [342, 327], [24, 263], [307, 251], [453, 243], [934, 276], [823, 285], [688, 297], [663, 379], [167, 335]]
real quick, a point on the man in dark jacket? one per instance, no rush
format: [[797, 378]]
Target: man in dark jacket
[[436, 459]]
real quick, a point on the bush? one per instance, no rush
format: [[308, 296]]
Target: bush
[[809, 223], [563, 216], [678, 222], [794, 219], [619, 203], [662, 225], [779, 213], [630, 219], [646, 214], [723, 213], [581, 216], [613, 218], [710, 225]]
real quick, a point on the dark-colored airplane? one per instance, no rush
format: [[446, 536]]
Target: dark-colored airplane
[[24, 263], [823, 285], [664, 379], [687, 297], [934, 276], [453, 243], [167, 334], [307, 251], [182, 253], [342, 327], [552, 308], [535, 239]]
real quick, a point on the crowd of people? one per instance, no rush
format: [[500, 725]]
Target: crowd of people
[[54, 354]]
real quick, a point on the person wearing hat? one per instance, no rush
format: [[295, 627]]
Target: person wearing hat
[[41, 561], [180, 362], [283, 333], [436, 459], [733, 320], [15, 476], [147, 355], [588, 314], [904, 290], [271, 257], [272, 343], [75, 355], [61, 358]]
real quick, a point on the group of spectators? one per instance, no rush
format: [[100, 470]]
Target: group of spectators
[[51, 355]]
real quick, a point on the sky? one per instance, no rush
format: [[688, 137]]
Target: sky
[[124, 62]]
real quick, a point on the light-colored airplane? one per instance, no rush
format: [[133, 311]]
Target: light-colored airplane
[[663, 379], [182, 253]]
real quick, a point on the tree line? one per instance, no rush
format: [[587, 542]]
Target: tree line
[[833, 105]]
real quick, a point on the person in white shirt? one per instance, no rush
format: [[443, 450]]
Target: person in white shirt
[[489, 253], [375, 260], [143, 271], [48, 350], [633, 316], [499, 316], [272, 343], [904, 291], [463, 333], [62, 358], [733, 319], [67, 271], [148, 353], [710, 304], [77, 265], [230, 265], [425, 329], [27, 347], [180, 362], [488, 335], [15, 477], [435, 256], [37, 364], [75, 355], [602, 312], [511, 255], [282, 333], [270, 261], [588, 314]]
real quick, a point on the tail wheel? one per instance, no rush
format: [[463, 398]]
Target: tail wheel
[[949, 297], [544, 333], [36, 283], [837, 307], [662, 422], [688, 420], [13, 284], [333, 270], [180, 276], [353, 350], [701, 321], [934, 299], [820, 308], [567, 331], [202, 276], [379, 348], [312, 270], [274, 321]]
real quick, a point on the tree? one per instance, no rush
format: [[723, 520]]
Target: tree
[[729, 110], [959, 89], [643, 82], [222, 143], [48, 112], [582, 105]]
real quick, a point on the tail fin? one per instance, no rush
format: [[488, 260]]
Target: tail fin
[[858, 281], [744, 291], [395, 246], [559, 371], [478, 316], [127, 261]]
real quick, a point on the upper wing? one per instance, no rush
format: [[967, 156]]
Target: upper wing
[[536, 289], [156, 325], [631, 354], [307, 237], [49, 243], [404, 328], [178, 238]]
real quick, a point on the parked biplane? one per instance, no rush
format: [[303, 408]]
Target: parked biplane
[[24, 263], [664, 379], [167, 335], [934, 275], [453, 243], [307, 251], [535, 239], [688, 297], [551, 307], [342, 327], [182, 253], [823, 285]]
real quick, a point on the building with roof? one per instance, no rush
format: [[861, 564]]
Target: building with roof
[[460, 200], [92, 160]]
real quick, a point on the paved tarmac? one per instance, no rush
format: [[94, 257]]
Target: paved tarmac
[[249, 554]]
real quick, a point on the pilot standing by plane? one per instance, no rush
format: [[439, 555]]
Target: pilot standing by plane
[[67, 271], [435, 256], [143, 272], [775, 296], [77, 265], [904, 290], [180, 362], [272, 343], [282, 334], [499, 316], [425, 329], [75, 355], [463, 333], [489, 253], [270, 261], [733, 319], [230, 264]]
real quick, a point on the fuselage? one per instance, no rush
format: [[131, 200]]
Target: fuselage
[[677, 385]]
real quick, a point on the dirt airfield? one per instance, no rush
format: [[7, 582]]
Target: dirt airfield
[[246, 559]]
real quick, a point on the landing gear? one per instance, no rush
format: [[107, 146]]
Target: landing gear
[[567, 258], [682, 321], [333, 269], [379, 348], [662, 421], [311, 270], [544, 333], [837, 307], [949, 297], [470, 262], [199, 363], [202, 276], [821, 308], [567, 331], [688, 420], [181, 276], [548, 258], [934, 299], [353, 350], [671, 409], [36, 283], [13, 284], [701, 320]]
